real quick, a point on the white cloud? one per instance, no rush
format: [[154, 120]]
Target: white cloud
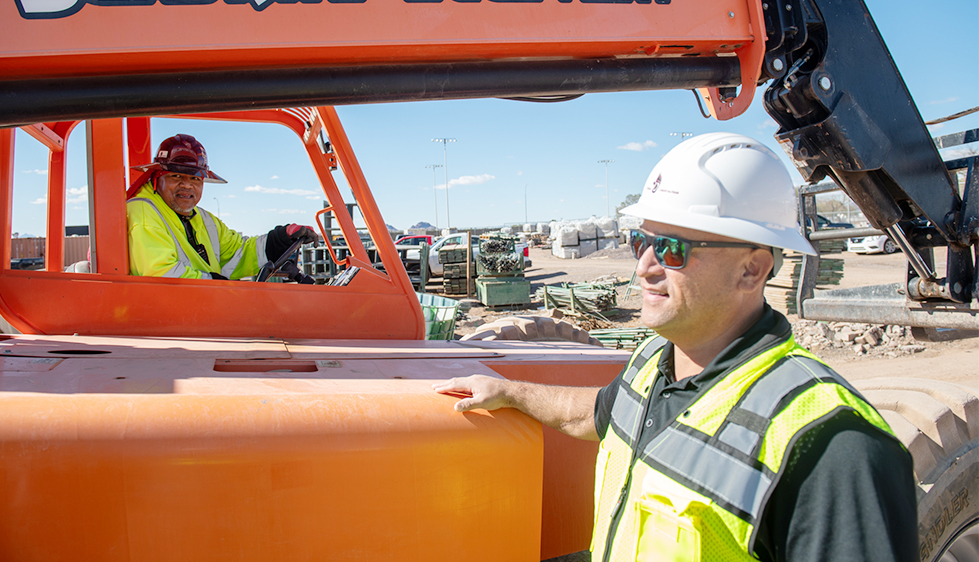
[[77, 194], [277, 191], [232, 196], [471, 180], [946, 100], [314, 197], [637, 146], [40, 200], [520, 172], [36, 171], [274, 178]]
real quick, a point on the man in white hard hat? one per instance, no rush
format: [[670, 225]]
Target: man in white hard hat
[[722, 439]]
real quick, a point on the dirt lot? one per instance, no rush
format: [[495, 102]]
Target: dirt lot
[[953, 361]]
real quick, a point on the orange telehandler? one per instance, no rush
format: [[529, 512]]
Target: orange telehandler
[[161, 419]]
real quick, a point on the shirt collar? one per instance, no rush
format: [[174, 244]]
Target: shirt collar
[[771, 330]]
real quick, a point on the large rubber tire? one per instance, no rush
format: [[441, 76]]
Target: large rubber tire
[[531, 328], [939, 424]]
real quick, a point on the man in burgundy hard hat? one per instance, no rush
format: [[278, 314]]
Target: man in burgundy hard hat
[[170, 236], [722, 439]]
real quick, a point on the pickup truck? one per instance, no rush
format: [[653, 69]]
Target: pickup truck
[[435, 268]]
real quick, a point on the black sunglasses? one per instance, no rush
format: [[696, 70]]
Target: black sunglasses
[[672, 252]]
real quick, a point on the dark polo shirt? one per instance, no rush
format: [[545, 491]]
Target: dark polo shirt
[[847, 492]]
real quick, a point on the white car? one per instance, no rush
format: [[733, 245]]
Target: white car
[[871, 245]]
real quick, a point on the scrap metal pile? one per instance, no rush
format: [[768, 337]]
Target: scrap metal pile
[[499, 263]]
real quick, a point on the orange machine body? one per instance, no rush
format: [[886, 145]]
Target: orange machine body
[[243, 449]]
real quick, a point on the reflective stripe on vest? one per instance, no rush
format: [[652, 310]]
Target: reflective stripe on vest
[[212, 233], [708, 489], [183, 262]]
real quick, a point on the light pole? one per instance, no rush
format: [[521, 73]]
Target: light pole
[[681, 135], [218, 203], [445, 166], [608, 212], [435, 190]]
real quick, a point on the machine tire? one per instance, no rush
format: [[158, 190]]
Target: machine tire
[[889, 246], [531, 328], [939, 424]]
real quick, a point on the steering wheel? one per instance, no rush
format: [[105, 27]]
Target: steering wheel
[[270, 268]]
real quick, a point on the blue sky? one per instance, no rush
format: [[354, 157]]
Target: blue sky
[[505, 149]]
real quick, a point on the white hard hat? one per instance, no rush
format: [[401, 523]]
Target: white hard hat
[[725, 184]]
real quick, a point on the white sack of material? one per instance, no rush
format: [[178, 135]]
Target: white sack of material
[[608, 243], [566, 236], [570, 253], [588, 247], [587, 229], [606, 228]]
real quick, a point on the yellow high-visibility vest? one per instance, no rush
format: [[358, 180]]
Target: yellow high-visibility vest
[[697, 490], [158, 245]]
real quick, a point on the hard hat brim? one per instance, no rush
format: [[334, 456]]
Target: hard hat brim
[[768, 234], [210, 176]]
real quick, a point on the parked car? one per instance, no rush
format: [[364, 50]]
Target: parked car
[[415, 240], [871, 245], [824, 223], [365, 239]]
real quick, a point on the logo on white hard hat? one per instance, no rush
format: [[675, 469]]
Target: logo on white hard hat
[[653, 188]]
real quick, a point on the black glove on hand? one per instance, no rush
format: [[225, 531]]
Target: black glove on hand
[[301, 232], [281, 237]]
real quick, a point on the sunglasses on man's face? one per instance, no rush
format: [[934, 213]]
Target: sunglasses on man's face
[[672, 252]]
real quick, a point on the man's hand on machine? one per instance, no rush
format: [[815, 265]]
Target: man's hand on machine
[[281, 237], [303, 232]]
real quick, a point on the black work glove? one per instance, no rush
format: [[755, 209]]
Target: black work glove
[[281, 237]]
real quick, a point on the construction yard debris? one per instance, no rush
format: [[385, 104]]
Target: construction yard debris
[[622, 338], [589, 298], [861, 339], [781, 291]]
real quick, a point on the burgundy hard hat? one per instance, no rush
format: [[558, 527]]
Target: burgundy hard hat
[[182, 154]]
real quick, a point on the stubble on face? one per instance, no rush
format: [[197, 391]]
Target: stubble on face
[[686, 305], [181, 192]]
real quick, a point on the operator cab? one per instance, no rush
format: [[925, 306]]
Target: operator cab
[[107, 301]]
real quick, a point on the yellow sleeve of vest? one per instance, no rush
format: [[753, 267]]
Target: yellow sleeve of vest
[[152, 252], [238, 253]]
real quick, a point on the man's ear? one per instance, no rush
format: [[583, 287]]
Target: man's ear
[[755, 269]]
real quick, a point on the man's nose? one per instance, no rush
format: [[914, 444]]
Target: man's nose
[[648, 264]]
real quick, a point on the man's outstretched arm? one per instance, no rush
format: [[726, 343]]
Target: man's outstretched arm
[[568, 409]]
